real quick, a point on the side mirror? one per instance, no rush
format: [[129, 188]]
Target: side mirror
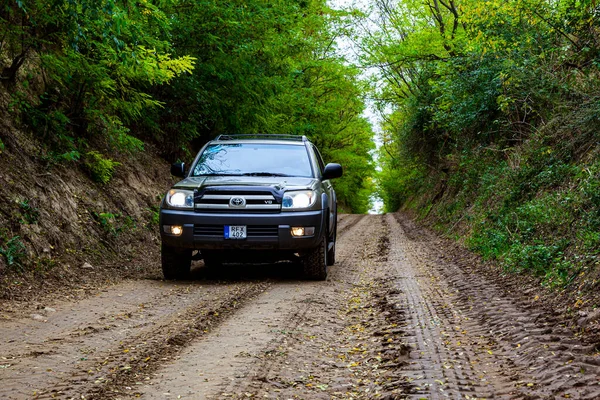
[[178, 169], [332, 170]]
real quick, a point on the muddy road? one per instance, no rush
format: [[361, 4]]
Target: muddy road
[[399, 317]]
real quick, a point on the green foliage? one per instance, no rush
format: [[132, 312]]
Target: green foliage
[[493, 129], [1, 146], [180, 72], [154, 217], [269, 67], [115, 224], [541, 217], [101, 169], [118, 135], [29, 212], [18, 101], [98, 60], [72, 155], [128, 143], [397, 183], [14, 253]]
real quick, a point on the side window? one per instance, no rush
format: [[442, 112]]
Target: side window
[[319, 158]]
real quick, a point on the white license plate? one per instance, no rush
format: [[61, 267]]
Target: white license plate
[[235, 231]]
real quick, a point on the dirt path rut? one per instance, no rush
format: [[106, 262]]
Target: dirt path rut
[[483, 338], [399, 317]]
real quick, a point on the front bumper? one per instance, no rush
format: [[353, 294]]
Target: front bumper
[[265, 231]]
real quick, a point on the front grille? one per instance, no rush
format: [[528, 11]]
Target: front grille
[[251, 230], [253, 202], [208, 230]]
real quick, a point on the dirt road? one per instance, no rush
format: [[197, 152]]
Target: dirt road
[[398, 317]]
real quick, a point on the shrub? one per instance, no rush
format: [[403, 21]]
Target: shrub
[[14, 253], [101, 169]]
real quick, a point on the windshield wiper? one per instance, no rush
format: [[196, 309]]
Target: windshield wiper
[[263, 174]]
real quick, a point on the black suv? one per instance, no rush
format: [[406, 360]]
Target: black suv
[[251, 198]]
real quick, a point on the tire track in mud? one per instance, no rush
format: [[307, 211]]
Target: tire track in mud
[[349, 345], [339, 271], [395, 308], [120, 369], [40, 352], [102, 316], [123, 355], [480, 336], [119, 355], [447, 360], [347, 222]]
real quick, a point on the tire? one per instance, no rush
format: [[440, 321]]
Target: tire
[[331, 253], [176, 262], [315, 262]]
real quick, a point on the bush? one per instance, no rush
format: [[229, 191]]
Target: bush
[[101, 169], [14, 253]]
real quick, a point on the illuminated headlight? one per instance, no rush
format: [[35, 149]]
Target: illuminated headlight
[[298, 199], [180, 198], [299, 231], [175, 230]]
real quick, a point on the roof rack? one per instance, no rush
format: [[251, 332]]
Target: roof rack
[[266, 136]]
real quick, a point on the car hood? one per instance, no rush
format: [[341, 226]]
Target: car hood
[[276, 182]]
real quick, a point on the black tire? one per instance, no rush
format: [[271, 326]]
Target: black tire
[[315, 262], [331, 252], [176, 262]]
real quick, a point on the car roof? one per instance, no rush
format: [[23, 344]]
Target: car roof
[[263, 138], [256, 141]]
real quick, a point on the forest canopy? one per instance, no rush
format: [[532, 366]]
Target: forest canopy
[[462, 74], [491, 124], [95, 80]]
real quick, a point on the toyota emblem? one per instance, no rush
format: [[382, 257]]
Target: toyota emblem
[[237, 202]]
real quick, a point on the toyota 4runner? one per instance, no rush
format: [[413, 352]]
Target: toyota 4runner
[[251, 198]]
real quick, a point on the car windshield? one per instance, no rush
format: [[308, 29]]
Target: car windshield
[[254, 159]]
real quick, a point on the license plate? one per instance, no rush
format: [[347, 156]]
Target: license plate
[[235, 231]]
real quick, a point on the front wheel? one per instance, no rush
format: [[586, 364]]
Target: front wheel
[[331, 251], [176, 262], [315, 262]]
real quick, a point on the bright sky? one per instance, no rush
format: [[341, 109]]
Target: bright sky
[[349, 50]]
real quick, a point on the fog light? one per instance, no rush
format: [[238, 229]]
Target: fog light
[[176, 230], [303, 231]]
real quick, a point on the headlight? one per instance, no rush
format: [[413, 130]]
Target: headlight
[[298, 199], [179, 198]]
